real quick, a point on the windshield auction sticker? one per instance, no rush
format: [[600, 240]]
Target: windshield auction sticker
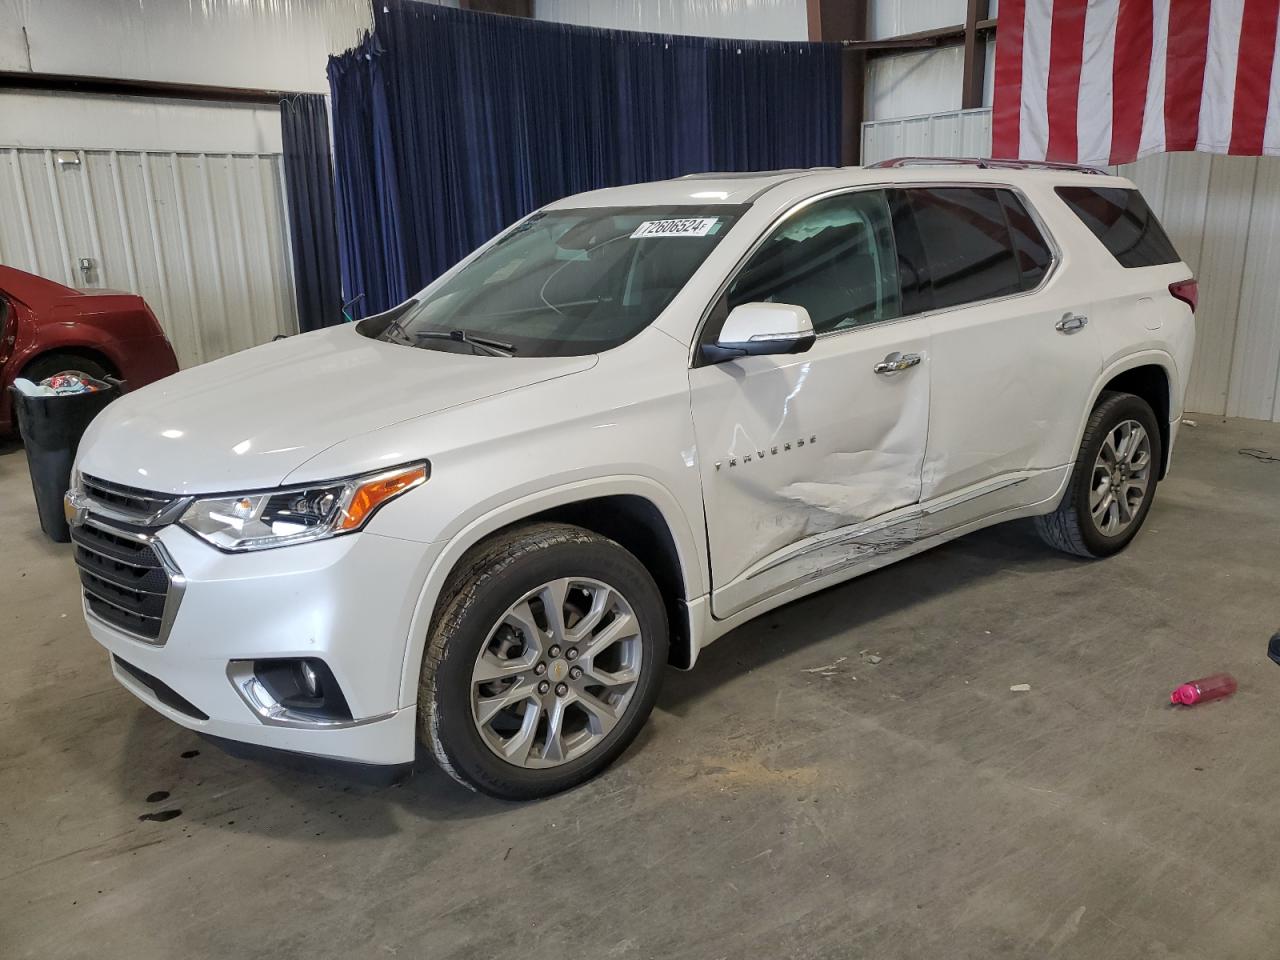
[[692, 227]]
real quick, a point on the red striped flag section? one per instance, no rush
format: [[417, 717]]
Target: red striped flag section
[[1108, 81]]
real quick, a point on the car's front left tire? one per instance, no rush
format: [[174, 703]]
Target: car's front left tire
[[544, 661]]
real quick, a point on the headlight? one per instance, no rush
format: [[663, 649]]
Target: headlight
[[275, 518]]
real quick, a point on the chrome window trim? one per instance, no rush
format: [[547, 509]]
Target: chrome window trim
[[1054, 248]]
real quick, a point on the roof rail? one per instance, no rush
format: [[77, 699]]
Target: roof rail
[[750, 174], [985, 163]]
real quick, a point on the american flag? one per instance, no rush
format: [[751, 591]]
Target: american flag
[[1108, 81]]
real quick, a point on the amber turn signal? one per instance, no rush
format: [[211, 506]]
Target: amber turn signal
[[375, 492]]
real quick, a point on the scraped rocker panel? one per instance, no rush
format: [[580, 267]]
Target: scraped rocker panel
[[828, 558]]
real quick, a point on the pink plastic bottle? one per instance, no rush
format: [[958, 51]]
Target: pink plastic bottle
[[1206, 688]]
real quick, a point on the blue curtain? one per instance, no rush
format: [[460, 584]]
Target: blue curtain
[[304, 126], [449, 125]]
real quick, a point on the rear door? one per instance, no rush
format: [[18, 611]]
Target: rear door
[[796, 450], [1015, 359]]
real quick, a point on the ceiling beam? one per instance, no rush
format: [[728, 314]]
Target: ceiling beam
[[115, 86], [508, 8], [922, 39]]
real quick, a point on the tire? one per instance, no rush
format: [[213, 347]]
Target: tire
[[502, 583], [1073, 527], [48, 364]]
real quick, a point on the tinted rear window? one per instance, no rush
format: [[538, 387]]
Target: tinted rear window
[[1029, 244], [1124, 223], [966, 244]]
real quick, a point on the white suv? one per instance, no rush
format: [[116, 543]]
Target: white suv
[[489, 518]]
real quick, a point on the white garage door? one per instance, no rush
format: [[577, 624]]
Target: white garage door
[[203, 237]]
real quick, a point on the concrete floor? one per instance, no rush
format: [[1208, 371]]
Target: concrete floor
[[788, 799]]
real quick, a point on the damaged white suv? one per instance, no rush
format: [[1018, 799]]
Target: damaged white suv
[[488, 519]]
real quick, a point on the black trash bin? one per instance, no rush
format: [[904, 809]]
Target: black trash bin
[[51, 430]]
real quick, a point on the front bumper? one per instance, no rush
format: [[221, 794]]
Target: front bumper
[[347, 601]]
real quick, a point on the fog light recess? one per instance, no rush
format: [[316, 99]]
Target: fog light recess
[[294, 691]]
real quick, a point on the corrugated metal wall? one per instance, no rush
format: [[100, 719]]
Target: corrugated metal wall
[[1223, 214], [203, 237], [953, 133], [747, 19], [916, 82]]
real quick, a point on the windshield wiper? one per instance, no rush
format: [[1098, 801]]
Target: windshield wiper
[[494, 348], [395, 332]]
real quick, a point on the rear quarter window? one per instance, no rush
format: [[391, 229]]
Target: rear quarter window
[[1121, 219]]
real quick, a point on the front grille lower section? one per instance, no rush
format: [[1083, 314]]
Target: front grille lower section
[[163, 692], [127, 582]]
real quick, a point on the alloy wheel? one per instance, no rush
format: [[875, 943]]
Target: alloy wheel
[[1121, 478], [556, 672]]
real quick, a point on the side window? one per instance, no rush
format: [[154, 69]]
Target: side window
[[913, 265], [966, 243], [1029, 246], [834, 257], [1124, 223]]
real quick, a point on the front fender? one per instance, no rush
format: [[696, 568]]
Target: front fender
[[486, 523]]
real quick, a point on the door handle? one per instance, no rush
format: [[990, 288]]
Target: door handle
[[896, 363], [1071, 323]]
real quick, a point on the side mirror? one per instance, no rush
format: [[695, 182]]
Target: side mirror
[[754, 329]]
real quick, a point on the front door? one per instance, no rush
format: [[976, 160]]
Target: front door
[[797, 450]]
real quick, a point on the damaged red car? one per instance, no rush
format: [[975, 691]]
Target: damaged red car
[[46, 328]]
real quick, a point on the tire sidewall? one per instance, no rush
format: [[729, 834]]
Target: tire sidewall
[[1117, 409], [468, 630]]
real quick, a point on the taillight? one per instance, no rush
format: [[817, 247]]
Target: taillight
[[1188, 291]]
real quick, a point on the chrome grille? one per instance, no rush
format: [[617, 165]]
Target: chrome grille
[[129, 580], [128, 503]]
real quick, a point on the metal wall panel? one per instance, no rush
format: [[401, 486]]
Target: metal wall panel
[[203, 237], [1255, 382], [950, 133], [260, 44], [1222, 213], [746, 19]]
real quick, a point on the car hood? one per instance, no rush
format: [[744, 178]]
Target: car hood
[[249, 420]]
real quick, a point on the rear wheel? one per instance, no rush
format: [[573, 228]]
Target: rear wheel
[[1113, 481], [544, 661]]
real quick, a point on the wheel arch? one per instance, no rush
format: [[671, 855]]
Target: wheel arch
[[86, 351], [637, 512], [1153, 377]]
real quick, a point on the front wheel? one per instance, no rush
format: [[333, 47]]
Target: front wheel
[[544, 661], [1113, 481]]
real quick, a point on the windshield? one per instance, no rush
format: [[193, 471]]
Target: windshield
[[565, 282]]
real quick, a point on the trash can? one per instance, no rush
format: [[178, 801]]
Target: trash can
[[51, 429]]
